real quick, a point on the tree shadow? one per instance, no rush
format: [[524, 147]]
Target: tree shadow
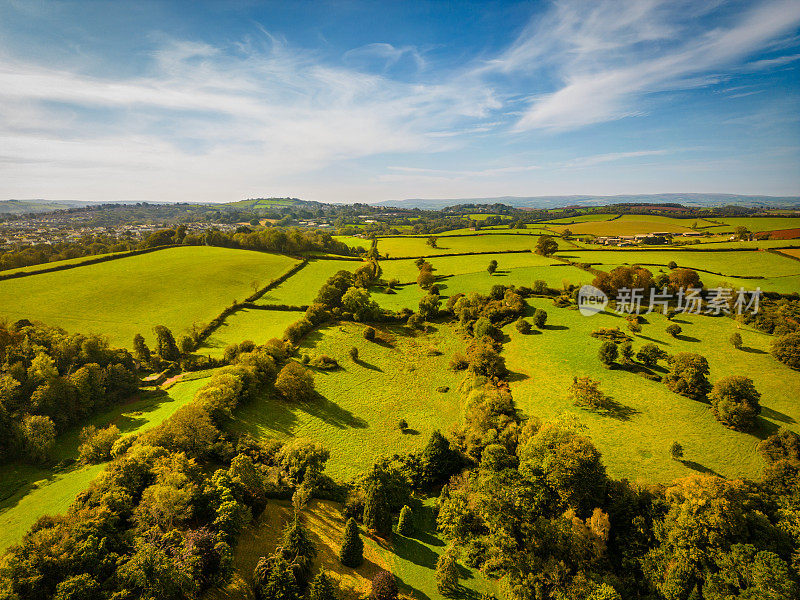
[[413, 551], [686, 338], [555, 327], [752, 350], [410, 431], [650, 339], [513, 377], [764, 428], [366, 365], [332, 413], [696, 466], [775, 415]]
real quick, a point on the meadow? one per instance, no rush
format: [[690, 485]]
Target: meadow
[[257, 325], [175, 287], [631, 225], [356, 413], [301, 288], [494, 242], [58, 263], [636, 437], [28, 492]]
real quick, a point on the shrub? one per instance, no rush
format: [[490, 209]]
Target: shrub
[[447, 574], [676, 451], [325, 362], [539, 287], [586, 392], [608, 353], [459, 362], [634, 326], [416, 321], [376, 511], [523, 326], [650, 354], [405, 524], [539, 318], [384, 587], [546, 245], [402, 424], [735, 402], [483, 327], [492, 267], [787, 349], [96, 444], [736, 340], [674, 330], [321, 588], [672, 264], [626, 352], [354, 353], [295, 382], [369, 333]]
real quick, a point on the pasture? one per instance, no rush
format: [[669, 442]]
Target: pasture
[[175, 287], [631, 225], [29, 492], [495, 242], [356, 413], [257, 325], [636, 436], [302, 287], [756, 224]]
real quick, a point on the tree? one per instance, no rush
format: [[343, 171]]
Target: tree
[[523, 326], [166, 347], [354, 354], [650, 354], [402, 424], [384, 587], [634, 326], [608, 353], [484, 360], [351, 553], [566, 234], [676, 451], [39, 437], [585, 391], [432, 241], [429, 305], [546, 245], [140, 349], [405, 523], [298, 550], [369, 333], [274, 580], [425, 279], [483, 327], [626, 352], [688, 375], [539, 318], [438, 459], [741, 232], [96, 443], [492, 267], [447, 574], [736, 340], [377, 517], [735, 402], [787, 349], [674, 330], [322, 588], [684, 278], [295, 382], [357, 300], [672, 265]]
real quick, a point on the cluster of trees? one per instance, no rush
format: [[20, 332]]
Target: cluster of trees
[[161, 520], [87, 245], [50, 379]]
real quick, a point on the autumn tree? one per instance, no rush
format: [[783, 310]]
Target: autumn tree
[[735, 402], [295, 382]]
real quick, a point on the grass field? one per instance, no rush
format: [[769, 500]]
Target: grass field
[[356, 414], [302, 287], [120, 298], [412, 559], [631, 225], [353, 242], [28, 492], [58, 263], [406, 271], [756, 224], [417, 246], [252, 324], [635, 441]]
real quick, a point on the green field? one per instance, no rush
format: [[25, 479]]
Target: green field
[[120, 298], [58, 263], [406, 271], [302, 287], [494, 242], [756, 224], [635, 442], [252, 324], [359, 406], [353, 242], [28, 492]]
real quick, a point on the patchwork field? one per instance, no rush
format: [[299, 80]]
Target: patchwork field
[[417, 246], [302, 287], [756, 224], [356, 414], [635, 440], [58, 263], [28, 492], [631, 225], [120, 298]]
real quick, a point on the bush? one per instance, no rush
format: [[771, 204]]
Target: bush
[[523, 326], [369, 333], [325, 363], [650, 354], [483, 327], [626, 352], [674, 330], [608, 353], [687, 375], [402, 424], [735, 402], [459, 362], [539, 287], [447, 574], [787, 349], [672, 264], [676, 451], [384, 587], [539, 318], [354, 354], [586, 392], [405, 523]]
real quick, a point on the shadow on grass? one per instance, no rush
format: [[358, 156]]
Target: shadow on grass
[[512, 377], [686, 338], [775, 415], [410, 431], [650, 339], [696, 466], [555, 327], [366, 365], [332, 413], [752, 350]]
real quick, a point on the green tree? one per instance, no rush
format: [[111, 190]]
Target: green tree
[[523, 326], [79, 587], [39, 437], [384, 587], [608, 353], [166, 347], [585, 391], [735, 402], [546, 245], [492, 267], [351, 553], [298, 550], [447, 574], [274, 580], [676, 451], [539, 318], [425, 279], [405, 524], [674, 330], [650, 354], [626, 352], [140, 349], [438, 459], [688, 375], [377, 517], [736, 340], [295, 382], [786, 349], [322, 588], [432, 241], [357, 300], [429, 305]]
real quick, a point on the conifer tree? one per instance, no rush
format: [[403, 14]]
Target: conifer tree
[[405, 524], [322, 588], [376, 511], [352, 551]]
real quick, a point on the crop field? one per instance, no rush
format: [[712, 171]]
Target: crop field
[[254, 324], [412, 559], [120, 298], [357, 412], [580, 219], [635, 439], [28, 492], [756, 224], [406, 270], [302, 287], [631, 225]]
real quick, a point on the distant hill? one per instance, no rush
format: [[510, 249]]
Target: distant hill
[[702, 200], [18, 207]]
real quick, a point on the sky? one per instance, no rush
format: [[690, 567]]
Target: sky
[[347, 101]]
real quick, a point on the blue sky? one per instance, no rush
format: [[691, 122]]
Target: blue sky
[[365, 101]]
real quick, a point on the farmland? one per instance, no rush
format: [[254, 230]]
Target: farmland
[[256, 325], [301, 288], [175, 287], [417, 246]]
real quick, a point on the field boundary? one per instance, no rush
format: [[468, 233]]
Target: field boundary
[[458, 254]]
